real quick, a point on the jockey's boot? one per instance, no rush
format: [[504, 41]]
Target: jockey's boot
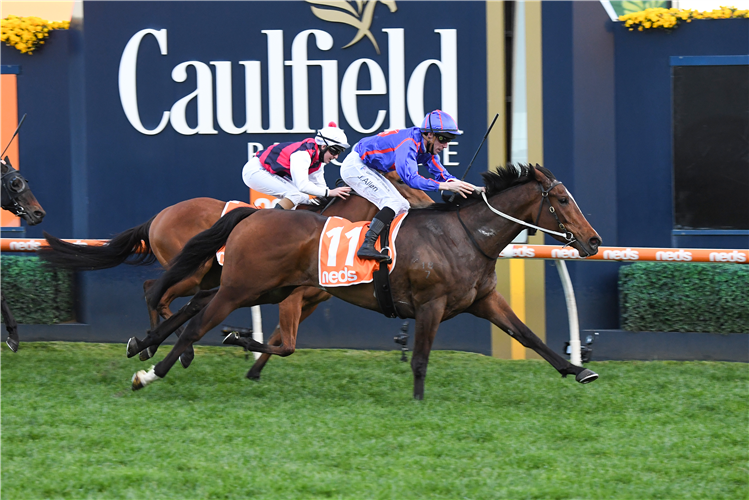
[[285, 204], [380, 221]]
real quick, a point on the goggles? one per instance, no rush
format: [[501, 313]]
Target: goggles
[[443, 139], [336, 150]]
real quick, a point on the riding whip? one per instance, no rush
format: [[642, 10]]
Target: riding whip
[[476, 153], [14, 135]]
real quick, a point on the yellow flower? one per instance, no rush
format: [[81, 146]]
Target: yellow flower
[[27, 33]]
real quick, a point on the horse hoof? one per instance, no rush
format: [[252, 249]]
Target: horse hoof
[[186, 359], [253, 376], [586, 376], [232, 339], [137, 381], [12, 343], [146, 353], [132, 347], [142, 378]]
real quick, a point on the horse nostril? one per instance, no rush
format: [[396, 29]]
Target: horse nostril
[[40, 213], [594, 242]]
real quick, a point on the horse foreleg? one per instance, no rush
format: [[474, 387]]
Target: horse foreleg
[[428, 317], [166, 328], [496, 309], [11, 325], [311, 298]]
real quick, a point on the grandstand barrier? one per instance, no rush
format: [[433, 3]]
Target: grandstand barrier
[[550, 252]]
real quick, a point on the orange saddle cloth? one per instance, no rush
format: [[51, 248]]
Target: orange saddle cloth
[[230, 205], [340, 239]]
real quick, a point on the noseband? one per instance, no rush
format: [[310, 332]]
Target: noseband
[[11, 194]]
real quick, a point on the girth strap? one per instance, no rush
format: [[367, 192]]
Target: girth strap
[[381, 281]]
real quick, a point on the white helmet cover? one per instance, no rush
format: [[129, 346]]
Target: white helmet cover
[[331, 136]]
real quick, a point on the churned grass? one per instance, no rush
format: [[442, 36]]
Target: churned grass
[[342, 424]]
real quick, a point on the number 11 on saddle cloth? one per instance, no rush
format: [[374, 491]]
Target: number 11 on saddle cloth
[[340, 239]]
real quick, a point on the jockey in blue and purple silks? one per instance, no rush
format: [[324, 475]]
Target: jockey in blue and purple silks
[[403, 151]]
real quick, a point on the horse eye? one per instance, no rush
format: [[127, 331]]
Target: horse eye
[[400, 181], [564, 200], [17, 184]]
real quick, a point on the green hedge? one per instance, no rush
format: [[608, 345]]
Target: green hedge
[[37, 293], [675, 297]]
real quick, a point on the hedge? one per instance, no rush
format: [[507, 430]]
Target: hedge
[[675, 297], [37, 293]]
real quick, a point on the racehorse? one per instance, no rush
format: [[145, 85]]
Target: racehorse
[[163, 237], [18, 199], [446, 265]]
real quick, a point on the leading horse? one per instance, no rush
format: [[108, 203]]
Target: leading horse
[[446, 266], [18, 199], [163, 236]]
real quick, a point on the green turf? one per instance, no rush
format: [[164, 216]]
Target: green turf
[[342, 424]]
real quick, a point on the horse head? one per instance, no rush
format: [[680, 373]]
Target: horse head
[[415, 197], [17, 196], [558, 210]]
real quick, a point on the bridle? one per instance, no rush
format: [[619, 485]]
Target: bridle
[[567, 235], [12, 193]]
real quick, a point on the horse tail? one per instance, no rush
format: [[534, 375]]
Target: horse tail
[[196, 252], [133, 242]]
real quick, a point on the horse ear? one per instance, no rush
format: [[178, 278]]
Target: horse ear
[[540, 177]]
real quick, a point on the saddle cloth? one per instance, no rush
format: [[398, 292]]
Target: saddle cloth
[[340, 239], [230, 205]]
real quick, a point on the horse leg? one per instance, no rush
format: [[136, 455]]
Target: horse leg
[[496, 309], [311, 298], [184, 288], [207, 317], [11, 325], [166, 328], [428, 317]]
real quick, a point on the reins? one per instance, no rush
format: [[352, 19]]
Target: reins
[[567, 235]]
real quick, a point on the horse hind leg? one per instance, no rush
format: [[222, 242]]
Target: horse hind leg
[[208, 317], [167, 327], [311, 298], [11, 325]]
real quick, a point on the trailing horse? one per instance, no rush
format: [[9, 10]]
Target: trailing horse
[[18, 199], [163, 237], [446, 265]]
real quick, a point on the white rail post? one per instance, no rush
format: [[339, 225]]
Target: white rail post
[[257, 327], [569, 296]]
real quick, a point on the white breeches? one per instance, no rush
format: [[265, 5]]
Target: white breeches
[[372, 185], [259, 179]]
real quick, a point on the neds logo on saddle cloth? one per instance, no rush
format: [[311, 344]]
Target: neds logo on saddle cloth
[[339, 241]]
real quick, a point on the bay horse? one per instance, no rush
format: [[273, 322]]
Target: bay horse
[[163, 236], [446, 266], [18, 199]]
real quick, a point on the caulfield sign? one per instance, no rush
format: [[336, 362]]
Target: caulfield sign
[[405, 92]]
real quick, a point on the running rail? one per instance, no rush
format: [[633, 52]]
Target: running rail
[[606, 254], [557, 253]]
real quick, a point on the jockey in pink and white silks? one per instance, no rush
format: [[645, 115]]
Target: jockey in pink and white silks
[[403, 151], [294, 171]]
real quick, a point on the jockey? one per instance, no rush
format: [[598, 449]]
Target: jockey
[[402, 151], [292, 171]]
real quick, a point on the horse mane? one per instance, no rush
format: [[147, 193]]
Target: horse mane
[[496, 181]]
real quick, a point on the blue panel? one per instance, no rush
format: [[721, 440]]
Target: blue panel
[[44, 138], [10, 69], [709, 60], [119, 177]]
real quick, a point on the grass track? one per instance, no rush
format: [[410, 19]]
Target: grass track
[[342, 424]]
